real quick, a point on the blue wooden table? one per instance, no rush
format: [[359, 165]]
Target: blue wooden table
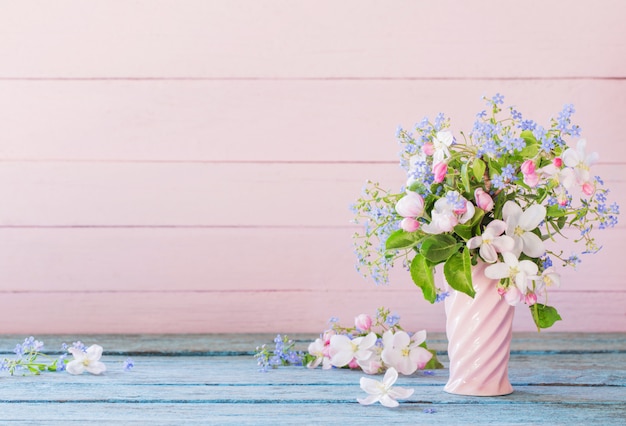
[[213, 379]]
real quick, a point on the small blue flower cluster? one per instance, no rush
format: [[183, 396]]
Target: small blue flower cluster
[[282, 354]]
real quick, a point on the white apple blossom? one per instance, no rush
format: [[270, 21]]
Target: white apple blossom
[[403, 352], [492, 242], [383, 391], [87, 360], [318, 349], [520, 225], [445, 216], [580, 162], [343, 349], [520, 272]]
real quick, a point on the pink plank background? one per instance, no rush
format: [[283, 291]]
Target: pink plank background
[[188, 167]]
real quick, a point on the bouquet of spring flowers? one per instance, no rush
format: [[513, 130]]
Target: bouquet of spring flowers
[[504, 194]]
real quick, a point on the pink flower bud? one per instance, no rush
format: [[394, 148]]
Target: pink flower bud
[[411, 205], [363, 322], [353, 364], [531, 179], [428, 148], [409, 224], [588, 188], [439, 170], [558, 162], [531, 299], [483, 200], [528, 167]]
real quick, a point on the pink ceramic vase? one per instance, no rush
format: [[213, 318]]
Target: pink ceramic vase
[[479, 339]]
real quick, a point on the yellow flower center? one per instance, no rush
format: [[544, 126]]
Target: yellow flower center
[[518, 231], [405, 352]]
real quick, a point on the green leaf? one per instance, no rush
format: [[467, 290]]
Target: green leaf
[[458, 272], [544, 316], [422, 275], [465, 177], [478, 168], [555, 211], [438, 248], [401, 239], [528, 137], [434, 363], [465, 230]]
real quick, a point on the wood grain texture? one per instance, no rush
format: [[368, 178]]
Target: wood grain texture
[[277, 120], [579, 378], [285, 311], [322, 39], [198, 158]]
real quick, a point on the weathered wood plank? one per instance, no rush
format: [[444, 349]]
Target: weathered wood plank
[[211, 259], [266, 311], [183, 194], [529, 343], [279, 39], [289, 121]]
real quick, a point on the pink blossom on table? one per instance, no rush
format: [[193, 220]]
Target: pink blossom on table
[[411, 205], [519, 272], [343, 349], [483, 200], [492, 242], [439, 171], [363, 322], [409, 224], [354, 364], [520, 224], [403, 352], [374, 364], [383, 391], [86, 360], [428, 148], [318, 349]]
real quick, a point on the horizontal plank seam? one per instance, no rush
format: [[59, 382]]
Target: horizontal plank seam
[[178, 226], [247, 162], [243, 291], [341, 78]]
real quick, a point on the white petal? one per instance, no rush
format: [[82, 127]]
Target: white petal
[[533, 245], [342, 358], [370, 386], [497, 227], [488, 253], [96, 367], [474, 242], [503, 243], [94, 352], [390, 377], [400, 393], [75, 367], [419, 337], [570, 157], [388, 401], [369, 400], [510, 213], [497, 271], [401, 339], [532, 217]]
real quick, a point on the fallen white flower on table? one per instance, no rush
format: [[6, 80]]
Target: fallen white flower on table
[[87, 360], [382, 391]]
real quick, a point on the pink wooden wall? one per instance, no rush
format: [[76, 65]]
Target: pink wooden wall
[[171, 166]]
